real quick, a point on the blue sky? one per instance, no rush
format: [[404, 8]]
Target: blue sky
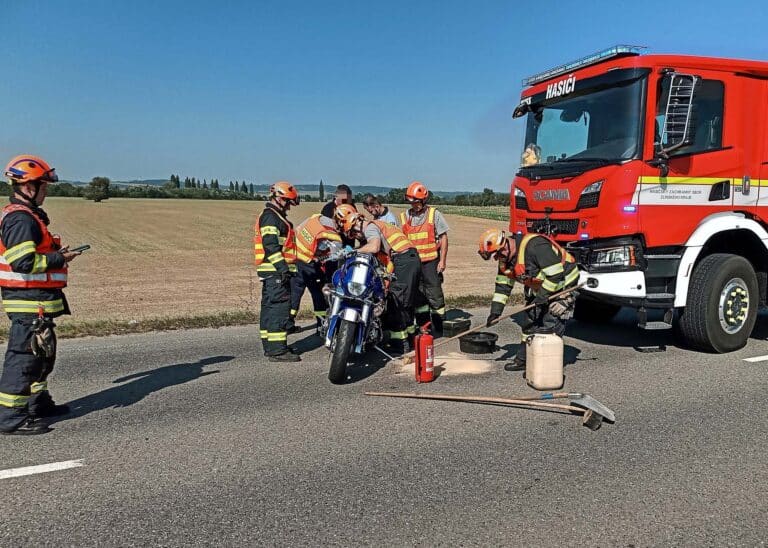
[[355, 92]]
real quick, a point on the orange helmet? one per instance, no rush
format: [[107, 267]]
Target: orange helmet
[[349, 221], [285, 190], [491, 241], [416, 192], [341, 212], [26, 168]]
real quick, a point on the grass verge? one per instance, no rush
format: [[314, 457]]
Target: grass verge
[[99, 328]]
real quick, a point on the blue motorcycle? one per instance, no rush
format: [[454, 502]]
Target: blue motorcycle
[[357, 300]]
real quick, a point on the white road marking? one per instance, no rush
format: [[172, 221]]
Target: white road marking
[[757, 359], [29, 470]]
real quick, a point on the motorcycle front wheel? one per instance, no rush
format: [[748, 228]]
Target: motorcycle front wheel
[[343, 340]]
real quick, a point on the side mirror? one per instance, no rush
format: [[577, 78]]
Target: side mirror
[[522, 109], [678, 121]]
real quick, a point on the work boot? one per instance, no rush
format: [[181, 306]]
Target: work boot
[[30, 427], [51, 411], [44, 406], [396, 346], [285, 357], [437, 326], [518, 364]]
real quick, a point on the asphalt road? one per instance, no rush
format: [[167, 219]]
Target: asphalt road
[[191, 438]]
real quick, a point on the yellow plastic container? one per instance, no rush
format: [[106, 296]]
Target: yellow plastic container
[[544, 362]]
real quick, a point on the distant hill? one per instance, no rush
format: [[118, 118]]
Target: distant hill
[[312, 190]]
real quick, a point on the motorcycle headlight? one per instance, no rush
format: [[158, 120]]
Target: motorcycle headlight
[[355, 288]]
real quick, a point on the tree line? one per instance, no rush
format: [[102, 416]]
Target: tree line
[[101, 188]]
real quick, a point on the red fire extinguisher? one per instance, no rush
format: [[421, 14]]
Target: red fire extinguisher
[[425, 359]]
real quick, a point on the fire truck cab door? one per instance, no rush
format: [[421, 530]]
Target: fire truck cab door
[[702, 177]]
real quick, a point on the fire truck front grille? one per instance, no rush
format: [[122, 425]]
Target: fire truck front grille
[[561, 226], [588, 200], [521, 203]]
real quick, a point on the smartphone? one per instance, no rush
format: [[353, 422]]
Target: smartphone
[[81, 248]]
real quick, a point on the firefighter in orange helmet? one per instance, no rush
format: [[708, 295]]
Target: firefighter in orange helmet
[[388, 242], [33, 273], [544, 268], [427, 230], [275, 250], [313, 241]]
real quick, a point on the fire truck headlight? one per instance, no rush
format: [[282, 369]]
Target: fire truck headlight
[[594, 187], [615, 256], [519, 193]]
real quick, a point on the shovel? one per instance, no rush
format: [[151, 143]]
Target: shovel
[[592, 410]]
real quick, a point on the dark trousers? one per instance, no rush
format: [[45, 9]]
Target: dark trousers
[[23, 383], [312, 277], [275, 315], [430, 299], [537, 320], [402, 293]]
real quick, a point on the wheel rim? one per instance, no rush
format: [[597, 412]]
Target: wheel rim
[[733, 306]]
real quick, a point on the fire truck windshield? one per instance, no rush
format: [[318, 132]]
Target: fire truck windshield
[[599, 126]]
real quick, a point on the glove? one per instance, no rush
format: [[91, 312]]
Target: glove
[[562, 309], [491, 319]]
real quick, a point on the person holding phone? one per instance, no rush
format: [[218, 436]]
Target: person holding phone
[[33, 274]]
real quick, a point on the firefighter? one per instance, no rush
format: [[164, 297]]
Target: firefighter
[[389, 244], [312, 237], [544, 268], [33, 273], [426, 228], [275, 248]]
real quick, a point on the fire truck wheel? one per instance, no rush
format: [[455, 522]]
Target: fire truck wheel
[[340, 351], [722, 304], [591, 311]]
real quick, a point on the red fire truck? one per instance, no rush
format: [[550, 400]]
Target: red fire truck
[[653, 170]]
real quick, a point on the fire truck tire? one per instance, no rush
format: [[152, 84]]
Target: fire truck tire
[[342, 347], [591, 311], [722, 304]]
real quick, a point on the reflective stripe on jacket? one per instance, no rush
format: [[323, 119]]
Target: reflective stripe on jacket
[[422, 236], [565, 268], [282, 230], [40, 277], [394, 236], [310, 233]]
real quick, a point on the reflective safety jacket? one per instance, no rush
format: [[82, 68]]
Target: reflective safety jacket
[[541, 265], [310, 233], [422, 236], [274, 243], [394, 236], [41, 275]]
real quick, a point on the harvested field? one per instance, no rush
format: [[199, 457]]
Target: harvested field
[[154, 258], [495, 213]]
